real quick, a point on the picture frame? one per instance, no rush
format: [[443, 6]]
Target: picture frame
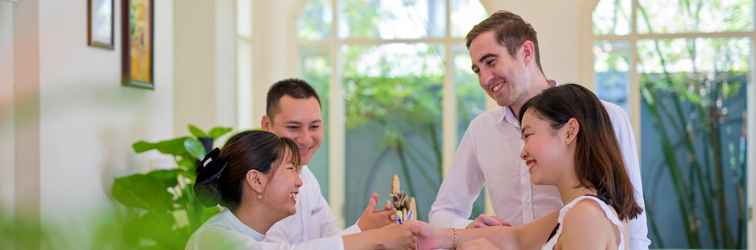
[[138, 43], [100, 24]]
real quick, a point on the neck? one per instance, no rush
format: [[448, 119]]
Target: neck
[[572, 189], [256, 217], [535, 86]]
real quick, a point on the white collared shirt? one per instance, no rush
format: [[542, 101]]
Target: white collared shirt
[[225, 231], [313, 219], [489, 154]]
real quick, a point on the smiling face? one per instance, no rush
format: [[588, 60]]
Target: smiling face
[[283, 185], [299, 120], [546, 153], [502, 76]]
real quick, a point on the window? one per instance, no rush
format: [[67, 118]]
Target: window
[[405, 94], [681, 69]]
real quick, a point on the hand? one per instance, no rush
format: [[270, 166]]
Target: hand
[[396, 236], [372, 219], [481, 243], [487, 221], [427, 236]]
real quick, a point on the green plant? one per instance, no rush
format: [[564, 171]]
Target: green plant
[[160, 209], [689, 111]]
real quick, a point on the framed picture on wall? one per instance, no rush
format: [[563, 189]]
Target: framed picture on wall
[[138, 46], [100, 23]]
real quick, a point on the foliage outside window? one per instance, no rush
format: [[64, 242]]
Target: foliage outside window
[[691, 61], [395, 57]]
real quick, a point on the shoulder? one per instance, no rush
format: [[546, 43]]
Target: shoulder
[[615, 112], [215, 236], [485, 119], [585, 225]]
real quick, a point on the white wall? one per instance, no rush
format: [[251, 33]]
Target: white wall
[[274, 53], [85, 121], [205, 93], [6, 107]]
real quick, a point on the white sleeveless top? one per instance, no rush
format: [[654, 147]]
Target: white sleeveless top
[[608, 212]]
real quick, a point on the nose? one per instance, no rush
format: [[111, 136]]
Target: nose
[[298, 182], [485, 77], [523, 154], [305, 138]]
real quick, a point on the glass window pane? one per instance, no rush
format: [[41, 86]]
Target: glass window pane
[[611, 64], [464, 15], [612, 17], [315, 21], [393, 121], [471, 101], [693, 138], [244, 18], [695, 16], [315, 68], [392, 19]]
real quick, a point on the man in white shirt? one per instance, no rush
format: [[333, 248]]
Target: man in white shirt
[[293, 111], [505, 55]]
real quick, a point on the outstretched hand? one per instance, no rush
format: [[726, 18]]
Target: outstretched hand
[[372, 218]]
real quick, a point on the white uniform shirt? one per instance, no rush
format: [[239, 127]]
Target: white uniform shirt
[[225, 231], [489, 154], [313, 219]]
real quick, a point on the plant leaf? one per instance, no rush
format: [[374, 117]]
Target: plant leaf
[[142, 191], [196, 132], [217, 132], [194, 148], [173, 147], [142, 146]]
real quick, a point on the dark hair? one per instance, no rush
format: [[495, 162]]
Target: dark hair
[[598, 161], [510, 30], [292, 87], [222, 172]]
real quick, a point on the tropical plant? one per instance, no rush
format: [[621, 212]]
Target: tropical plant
[[160, 208], [694, 119]]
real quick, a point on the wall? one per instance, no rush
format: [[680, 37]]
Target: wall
[[74, 131], [6, 106], [274, 53]]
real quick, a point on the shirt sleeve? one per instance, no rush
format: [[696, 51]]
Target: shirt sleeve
[[626, 139], [220, 238], [456, 196]]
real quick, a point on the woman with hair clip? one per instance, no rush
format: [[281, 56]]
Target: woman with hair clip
[[568, 143], [256, 178]]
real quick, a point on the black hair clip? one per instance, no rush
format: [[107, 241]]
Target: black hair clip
[[209, 172]]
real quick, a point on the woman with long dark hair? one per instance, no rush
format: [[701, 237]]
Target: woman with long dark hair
[[568, 143], [256, 178]]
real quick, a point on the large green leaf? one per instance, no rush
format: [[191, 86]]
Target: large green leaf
[[173, 146], [194, 148], [142, 146], [217, 132], [143, 191], [166, 176], [196, 132]]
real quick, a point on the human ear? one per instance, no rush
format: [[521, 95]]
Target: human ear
[[572, 128]]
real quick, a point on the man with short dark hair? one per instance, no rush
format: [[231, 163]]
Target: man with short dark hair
[[505, 55], [293, 111]]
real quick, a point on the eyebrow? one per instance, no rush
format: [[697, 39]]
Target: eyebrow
[[486, 56], [522, 131], [475, 68]]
